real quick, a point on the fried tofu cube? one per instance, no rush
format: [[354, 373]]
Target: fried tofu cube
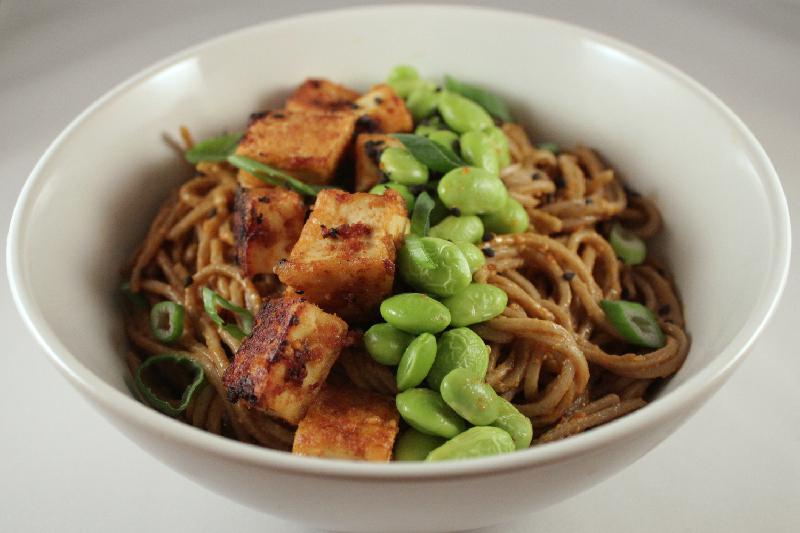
[[381, 110], [368, 149], [344, 259], [308, 144], [283, 365], [321, 94], [267, 222], [348, 423]]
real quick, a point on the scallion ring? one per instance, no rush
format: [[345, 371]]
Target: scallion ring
[[185, 378], [213, 302], [635, 322], [628, 247], [166, 321]]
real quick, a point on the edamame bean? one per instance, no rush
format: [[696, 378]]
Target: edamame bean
[[400, 167], [403, 79], [416, 361], [422, 100], [386, 344], [467, 228], [514, 423], [458, 348], [477, 302], [413, 445], [470, 397], [473, 254], [402, 189], [447, 273], [499, 141], [512, 218], [475, 442], [472, 190], [445, 138], [425, 411], [415, 313], [479, 151], [462, 114]]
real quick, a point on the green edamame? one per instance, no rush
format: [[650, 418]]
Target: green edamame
[[477, 302], [401, 167], [474, 400], [498, 140], [425, 411], [446, 272], [467, 228], [422, 100], [462, 114], [478, 150], [415, 313], [458, 348], [416, 361], [473, 254], [413, 445], [475, 442], [472, 190], [402, 189], [386, 344], [445, 138], [403, 79], [514, 423], [512, 218]]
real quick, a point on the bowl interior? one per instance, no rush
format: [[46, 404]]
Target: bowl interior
[[94, 194]]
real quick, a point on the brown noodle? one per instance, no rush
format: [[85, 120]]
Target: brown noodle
[[553, 353]]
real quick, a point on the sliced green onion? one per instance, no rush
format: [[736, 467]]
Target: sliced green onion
[[549, 147], [271, 175], [186, 378], [166, 321], [635, 322], [628, 247], [213, 302], [417, 252], [216, 149], [421, 216], [137, 299]]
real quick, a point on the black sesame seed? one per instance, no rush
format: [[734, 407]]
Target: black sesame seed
[[416, 189], [559, 181], [568, 275], [259, 219], [536, 176], [456, 212], [488, 236], [664, 309], [263, 199], [187, 281], [588, 201], [299, 291], [212, 213], [488, 251]]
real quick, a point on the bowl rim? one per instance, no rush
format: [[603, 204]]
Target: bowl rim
[[691, 393]]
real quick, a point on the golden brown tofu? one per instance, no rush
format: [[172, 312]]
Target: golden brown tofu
[[381, 110], [344, 259], [368, 149], [322, 94], [267, 222], [282, 366], [308, 144], [348, 423]]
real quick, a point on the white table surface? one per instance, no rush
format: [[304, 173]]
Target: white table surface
[[734, 467]]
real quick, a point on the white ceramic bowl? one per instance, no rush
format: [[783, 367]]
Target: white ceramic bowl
[[90, 199]]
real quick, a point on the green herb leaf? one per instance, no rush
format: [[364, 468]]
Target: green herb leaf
[[491, 103], [215, 149], [168, 406], [272, 176], [421, 217], [244, 318], [434, 156]]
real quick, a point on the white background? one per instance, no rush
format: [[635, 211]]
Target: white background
[[734, 467]]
